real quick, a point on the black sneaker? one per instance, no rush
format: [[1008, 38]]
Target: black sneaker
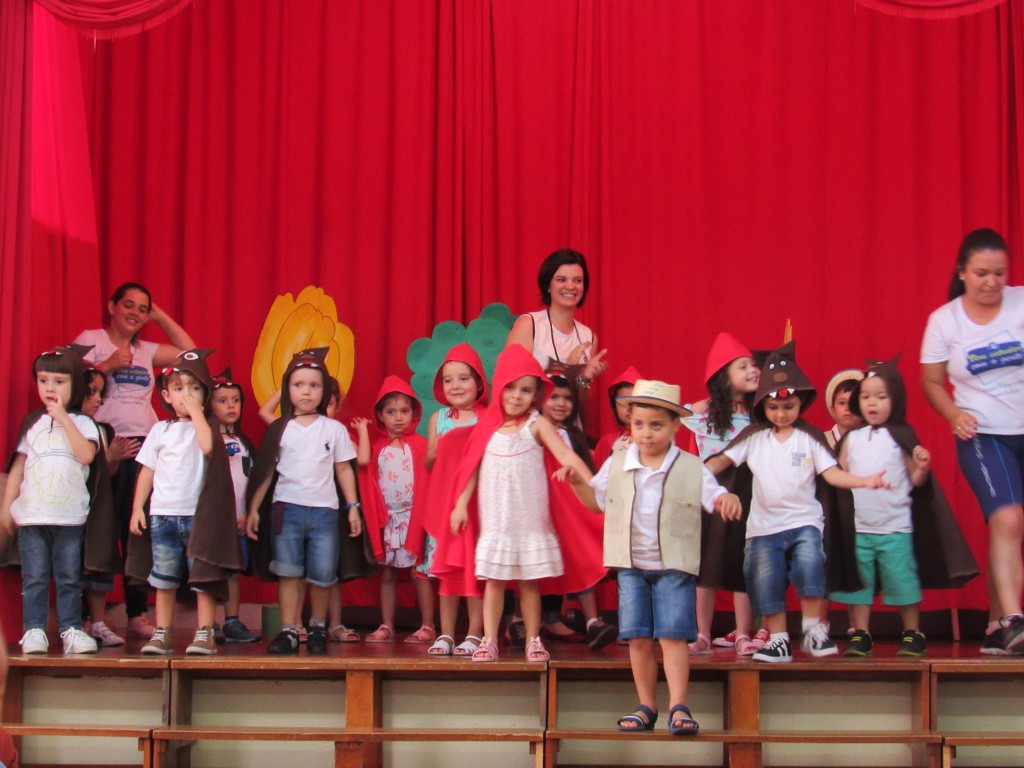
[[994, 644], [775, 652], [600, 634], [287, 641], [860, 644], [236, 632], [316, 640], [912, 643], [1013, 634]]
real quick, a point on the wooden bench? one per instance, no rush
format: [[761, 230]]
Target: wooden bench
[[142, 734], [952, 740]]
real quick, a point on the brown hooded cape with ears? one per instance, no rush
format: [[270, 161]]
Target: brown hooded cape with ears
[[214, 540], [355, 556], [944, 561], [100, 555]]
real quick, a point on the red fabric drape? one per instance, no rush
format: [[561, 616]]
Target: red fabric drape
[[113, 18], [929, 9], [724, 167]]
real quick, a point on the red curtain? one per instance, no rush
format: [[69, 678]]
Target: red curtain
[[724, 166], [113, 18], [929, 9]]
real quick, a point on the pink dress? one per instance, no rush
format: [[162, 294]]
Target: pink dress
[[517, 538]]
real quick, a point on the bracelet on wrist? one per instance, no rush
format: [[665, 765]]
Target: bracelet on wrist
[[353, 505]]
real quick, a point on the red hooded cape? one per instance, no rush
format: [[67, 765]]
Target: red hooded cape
[[604, 445], [374, 510]]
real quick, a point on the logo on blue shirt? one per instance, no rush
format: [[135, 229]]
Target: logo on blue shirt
[[995, 355]]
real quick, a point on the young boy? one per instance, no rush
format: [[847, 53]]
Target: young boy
[[185, 470], [652, 494], [48, 499], [784, 531], [837, 400]]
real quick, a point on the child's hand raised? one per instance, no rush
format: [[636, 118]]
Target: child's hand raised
[[728, 505], [55, 410], [922, 459], [360, 424], [192, 405]]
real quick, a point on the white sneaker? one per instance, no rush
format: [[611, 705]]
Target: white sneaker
[[34, 641], [105, 637], [817, 642], [76, 641], [777, 651]]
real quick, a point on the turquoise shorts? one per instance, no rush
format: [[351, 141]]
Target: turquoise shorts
[[886, 563]]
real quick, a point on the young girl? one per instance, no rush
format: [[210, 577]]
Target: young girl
[[585, 529], [302, 456], [731, 377], [47, 496], [505, 461], [226, 407], [391, 470], [617, 439], [460, 383]]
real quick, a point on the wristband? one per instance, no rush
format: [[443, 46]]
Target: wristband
[[353, 505]]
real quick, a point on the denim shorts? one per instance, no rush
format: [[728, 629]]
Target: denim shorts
[[993, 465], [657, 604], [771, 562], [305, 543], [885, 561], [169, 534]]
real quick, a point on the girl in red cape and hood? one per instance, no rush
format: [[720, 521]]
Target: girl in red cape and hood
[[503, 472], [392, 474], [461, 385]]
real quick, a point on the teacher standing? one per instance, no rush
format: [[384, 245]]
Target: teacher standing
[[977, 341], [127, 406]]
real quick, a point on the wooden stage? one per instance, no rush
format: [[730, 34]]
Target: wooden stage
[[566, 690]]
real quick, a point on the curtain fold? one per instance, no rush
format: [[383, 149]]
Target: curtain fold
[[930, 9], [113, 18]]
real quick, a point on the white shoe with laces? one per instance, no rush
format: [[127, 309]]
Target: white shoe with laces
[[817, 642], [76, 641], [34, 641]]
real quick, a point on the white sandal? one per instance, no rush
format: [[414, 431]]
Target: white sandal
[[467, 647], [442, 646]]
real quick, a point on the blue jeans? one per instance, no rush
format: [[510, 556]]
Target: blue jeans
[[771, 562], [657, 604], [305, 543], [169, 534], [46, 549]]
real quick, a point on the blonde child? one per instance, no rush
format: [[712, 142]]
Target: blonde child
[[460, 385], [784, 533], [48, 498], [731, 376], [302, 456], [652, 494], [226, 407], [185, 470], [391, 470], [503, 469]]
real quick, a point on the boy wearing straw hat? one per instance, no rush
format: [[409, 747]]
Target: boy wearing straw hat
[[652, 494]]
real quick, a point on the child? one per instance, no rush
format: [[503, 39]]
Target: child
[[48, 498], [731, 376], [503, 468], [837, 400], [583, 529], [651, 494], [884, 519], [226, 407], [190, 512], [618, 439], [786, 522], [460, 384], [391, 468], [302, 456]]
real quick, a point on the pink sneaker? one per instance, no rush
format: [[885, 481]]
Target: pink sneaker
[[139, 628]]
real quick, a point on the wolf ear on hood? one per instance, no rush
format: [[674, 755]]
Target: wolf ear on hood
[[191, 361], [315, 358], [781, 377]]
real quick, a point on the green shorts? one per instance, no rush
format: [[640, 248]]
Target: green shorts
[[886, 563]]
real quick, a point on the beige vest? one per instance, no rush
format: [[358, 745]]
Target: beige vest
[[678, 518]]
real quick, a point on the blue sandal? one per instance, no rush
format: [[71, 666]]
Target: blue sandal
[[640, 723], [687, 725]]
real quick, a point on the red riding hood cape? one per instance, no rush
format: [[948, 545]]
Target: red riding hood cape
[[604, 445], [944, 560], [214, 539], [374, 510], [355, 558]]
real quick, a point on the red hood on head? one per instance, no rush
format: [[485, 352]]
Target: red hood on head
[[394, 385], [461, 353]]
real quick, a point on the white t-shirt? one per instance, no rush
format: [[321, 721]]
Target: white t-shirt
[[171, 451], [306, 459], [53, 490], [985, 363], [649, 485], [127, 403], [879, 510], [550, 344], [241, 464], [784, 475]]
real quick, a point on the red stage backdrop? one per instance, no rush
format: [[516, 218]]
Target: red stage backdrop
[[724, 165]]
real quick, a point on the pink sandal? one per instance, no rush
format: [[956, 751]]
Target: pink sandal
[[342, 634], [382, 634], [422, 636], [745, 646], [535, 651], [486, 651], [701, 646]]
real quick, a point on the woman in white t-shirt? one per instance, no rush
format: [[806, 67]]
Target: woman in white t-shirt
[[128, 363], [977, 341]]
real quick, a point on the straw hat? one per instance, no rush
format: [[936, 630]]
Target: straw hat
[[847, 374], [657, 393]]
